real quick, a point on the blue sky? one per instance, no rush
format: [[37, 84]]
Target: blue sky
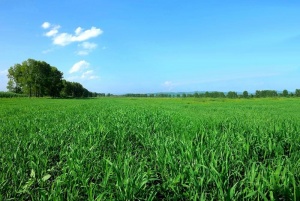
[[144, 46]]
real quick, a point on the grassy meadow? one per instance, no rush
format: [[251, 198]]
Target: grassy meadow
[[150, 149]]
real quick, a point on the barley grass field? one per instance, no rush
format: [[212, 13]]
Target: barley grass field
[[150, 149]]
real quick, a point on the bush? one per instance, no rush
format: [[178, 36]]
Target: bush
[[11, 95]]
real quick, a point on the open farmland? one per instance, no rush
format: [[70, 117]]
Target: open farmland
[[150, 149]]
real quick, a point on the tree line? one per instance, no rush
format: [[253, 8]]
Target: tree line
[[217, 94], [38, 78]]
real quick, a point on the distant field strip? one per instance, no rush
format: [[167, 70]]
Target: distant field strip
[[150, 149]]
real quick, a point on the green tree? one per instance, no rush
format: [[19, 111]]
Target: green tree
[[28, 76], [265, 93], [15, 78], [66, 90], [55, 82], [258, 94], [297, 93], [38, 78], [34, 77], [285, 93], [245, 94], [232, 94]]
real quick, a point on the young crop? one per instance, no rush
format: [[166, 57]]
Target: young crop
[[149, 149]]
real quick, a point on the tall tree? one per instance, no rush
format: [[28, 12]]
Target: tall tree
[[245, 94], [297, 93], [232, 94], [34, 78], [14, 79], [27, 79], [285, 93], [55, 82]]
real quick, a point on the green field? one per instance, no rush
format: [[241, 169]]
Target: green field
[[150, 149]]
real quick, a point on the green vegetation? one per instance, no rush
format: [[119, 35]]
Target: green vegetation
[[217, 94], [10, 95], [38, 78], [150, 149]]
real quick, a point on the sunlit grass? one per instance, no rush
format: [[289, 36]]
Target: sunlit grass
[[149, 149]]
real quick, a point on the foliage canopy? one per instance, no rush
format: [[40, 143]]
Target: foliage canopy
[[38, 78]]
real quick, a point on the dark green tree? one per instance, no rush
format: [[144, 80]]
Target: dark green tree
[[232, 94], [285, 93], [55, 82], [35, 78], [245, 94], [297, 93], [38, 78]]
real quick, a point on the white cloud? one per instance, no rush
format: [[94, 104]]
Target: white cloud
[[46, 25], [64, 39], [88, 45], [93, 77], [90, 33], [89, 75], [87, 48], [79, 36], [78, 30], [53, 31], [79, 66], [80, 73], [83, 52]]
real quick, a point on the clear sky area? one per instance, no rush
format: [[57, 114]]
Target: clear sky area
[[146, 46]]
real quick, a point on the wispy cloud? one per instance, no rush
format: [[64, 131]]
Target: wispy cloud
[[89, 75], [53, 31], [87, 47], [169, 85], [83, 52], [79, 66], [81, 71], [63, 39], [47, 51]]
